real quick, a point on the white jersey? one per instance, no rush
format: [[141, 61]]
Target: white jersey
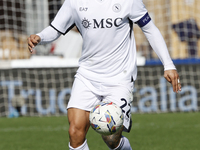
[[108, 51]]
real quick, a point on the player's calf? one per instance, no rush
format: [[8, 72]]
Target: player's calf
[[78, 126], [113, 140], [77, 136], [117, 141]]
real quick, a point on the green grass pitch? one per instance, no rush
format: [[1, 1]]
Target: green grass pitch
[[170, 131]]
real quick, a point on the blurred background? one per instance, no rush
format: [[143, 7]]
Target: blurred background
[[40, 83]]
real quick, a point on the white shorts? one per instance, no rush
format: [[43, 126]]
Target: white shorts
[[86, 94]]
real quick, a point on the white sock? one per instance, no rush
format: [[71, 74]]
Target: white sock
[[84, 146], [123, 145]]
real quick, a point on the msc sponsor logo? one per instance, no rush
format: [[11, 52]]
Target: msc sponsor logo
[[103, 23], [86, 23]]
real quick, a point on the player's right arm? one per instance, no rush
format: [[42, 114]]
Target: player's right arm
[[48, 35], [61, 24], [33, 40]]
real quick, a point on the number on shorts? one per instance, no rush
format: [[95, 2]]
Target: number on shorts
[[124, 105]]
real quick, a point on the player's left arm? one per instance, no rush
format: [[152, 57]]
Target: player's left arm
[[158, 44], [172, 77]]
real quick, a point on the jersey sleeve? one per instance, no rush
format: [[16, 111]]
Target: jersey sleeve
[[48, 35], [64, 20], [158, 44], [138, 10]]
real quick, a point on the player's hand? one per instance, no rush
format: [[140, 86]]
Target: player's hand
[[33, 40], [172, 77]]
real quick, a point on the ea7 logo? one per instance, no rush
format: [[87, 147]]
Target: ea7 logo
[[83, 8]]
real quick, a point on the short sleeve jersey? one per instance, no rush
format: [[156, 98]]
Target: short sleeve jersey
[[108, 51]]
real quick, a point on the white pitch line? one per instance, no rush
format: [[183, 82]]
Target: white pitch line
[[34, 128]]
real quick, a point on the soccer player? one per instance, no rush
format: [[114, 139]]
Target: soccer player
[[107, 67]]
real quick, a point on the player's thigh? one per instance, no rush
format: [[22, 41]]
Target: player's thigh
[[82, 97], [122, 95], [82, 100], [78, 120]]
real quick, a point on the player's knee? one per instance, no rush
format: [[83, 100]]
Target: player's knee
[[76, 132]]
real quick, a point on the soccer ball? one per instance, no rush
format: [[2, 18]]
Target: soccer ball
[[106, 118]]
